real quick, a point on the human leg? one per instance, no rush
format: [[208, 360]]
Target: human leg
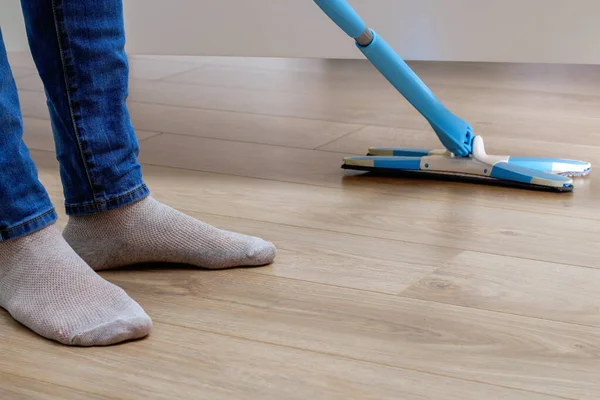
[[44, 284], [24, 204], [79, 49]]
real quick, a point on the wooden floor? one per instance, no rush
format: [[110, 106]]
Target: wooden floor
[[383, 288]]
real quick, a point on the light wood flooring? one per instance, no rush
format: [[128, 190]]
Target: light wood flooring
[[383, 288]]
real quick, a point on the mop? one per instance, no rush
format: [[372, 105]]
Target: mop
[[463, 157]]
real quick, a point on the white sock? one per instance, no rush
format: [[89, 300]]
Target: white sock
[[48, 288], [149, 231]]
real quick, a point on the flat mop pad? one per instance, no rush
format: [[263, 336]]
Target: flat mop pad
[[464, 157]]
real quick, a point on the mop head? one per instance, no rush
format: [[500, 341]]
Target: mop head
[[547, 174]]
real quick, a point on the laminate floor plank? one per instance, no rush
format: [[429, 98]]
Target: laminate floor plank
[[15, 387], [543, 290], [185, 363], [282, 131], [264, 72]]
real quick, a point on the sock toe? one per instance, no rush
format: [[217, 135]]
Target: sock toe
[[261, 252], [120, 328]]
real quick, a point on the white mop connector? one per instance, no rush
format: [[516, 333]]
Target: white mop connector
[[464, 152]]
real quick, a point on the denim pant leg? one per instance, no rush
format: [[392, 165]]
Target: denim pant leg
[[24, 204], [78, 49]]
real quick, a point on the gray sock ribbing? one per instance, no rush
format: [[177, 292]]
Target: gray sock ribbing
[[148, 231], [48, 288]]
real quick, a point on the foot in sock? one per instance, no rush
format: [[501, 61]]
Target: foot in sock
[[48, 288], [150, 232]]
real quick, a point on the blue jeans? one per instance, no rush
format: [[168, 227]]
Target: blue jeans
[[78, 49]]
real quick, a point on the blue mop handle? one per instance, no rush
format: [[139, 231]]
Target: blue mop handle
[[454, 133]]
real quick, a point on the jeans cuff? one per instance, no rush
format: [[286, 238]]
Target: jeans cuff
[[113, 203], [31, 225]]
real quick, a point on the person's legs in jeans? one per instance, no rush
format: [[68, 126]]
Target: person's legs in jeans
[[78, 47], [44, 284], [24, 204]]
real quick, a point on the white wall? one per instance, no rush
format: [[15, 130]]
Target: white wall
[[467, 30], [13, 28]]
